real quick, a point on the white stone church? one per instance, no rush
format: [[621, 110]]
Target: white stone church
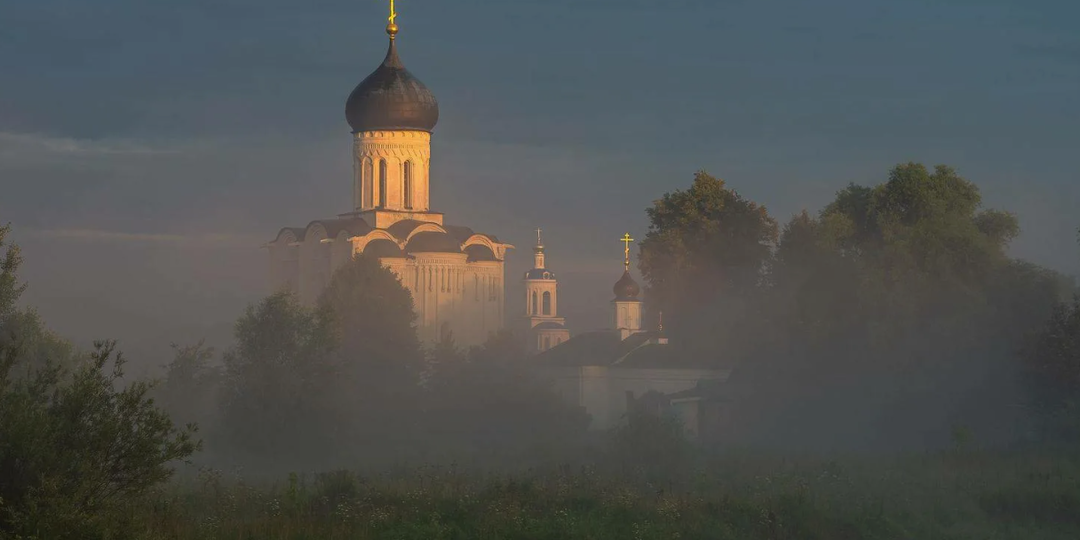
[[455, 275]]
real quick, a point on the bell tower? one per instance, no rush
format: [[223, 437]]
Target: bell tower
[[545, 328], [627, 306]]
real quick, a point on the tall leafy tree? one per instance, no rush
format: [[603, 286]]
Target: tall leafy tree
[[1052, 359], [274, 377], [190, 389], [901, 297], [378, 360], [704, 258], [316, 384], [372, 316], [22, 328], [77, 443], [489, 403]]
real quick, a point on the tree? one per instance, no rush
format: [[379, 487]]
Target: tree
[[76, 444], [10, 289], [703, 259], [378, 359], [489, 403], [1052, 361], [311, 385], [22, 329], [274, 376], [373, 318], [900, 297], [190, 390]]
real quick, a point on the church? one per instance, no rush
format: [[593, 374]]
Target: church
[[455, 274], [609, 372], [544, 327]]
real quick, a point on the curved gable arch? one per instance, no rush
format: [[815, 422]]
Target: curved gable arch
[[483, 240], [361, 242], [423, 228], [315, 231], [287, 236]]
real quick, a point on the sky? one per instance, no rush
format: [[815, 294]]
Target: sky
[[147, 149]]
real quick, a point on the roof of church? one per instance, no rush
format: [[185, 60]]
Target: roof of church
[[605, 348], [626, 288], [549, 326], [391, 99], [434, 241]]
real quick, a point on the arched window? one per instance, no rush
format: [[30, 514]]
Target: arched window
[[407, 187], [476, 288], [382, 183], [547, 302], [535, 304], [368, 183]]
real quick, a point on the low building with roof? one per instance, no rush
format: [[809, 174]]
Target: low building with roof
[[455, 274], [605, 371]]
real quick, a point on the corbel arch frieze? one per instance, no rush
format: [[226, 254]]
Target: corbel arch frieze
[[416, 153]]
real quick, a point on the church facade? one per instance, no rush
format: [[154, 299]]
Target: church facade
[[455, 275]]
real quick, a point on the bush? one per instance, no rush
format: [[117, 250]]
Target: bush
[[74, 448]]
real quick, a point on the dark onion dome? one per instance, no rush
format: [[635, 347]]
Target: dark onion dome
[[391, 99], [539, 273], [626, 288]]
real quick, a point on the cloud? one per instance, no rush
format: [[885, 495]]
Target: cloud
[[19, 143], [194, 240]]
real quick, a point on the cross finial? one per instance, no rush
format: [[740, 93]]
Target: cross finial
[[661, 321], [391, 25], [538, 242], [626, 249]]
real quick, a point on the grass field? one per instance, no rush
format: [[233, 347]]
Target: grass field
[[946, 496]]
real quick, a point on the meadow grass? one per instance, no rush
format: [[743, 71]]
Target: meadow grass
[[944, 496]]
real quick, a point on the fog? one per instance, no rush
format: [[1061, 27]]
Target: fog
[[142, 204]]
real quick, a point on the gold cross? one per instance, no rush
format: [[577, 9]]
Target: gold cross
[[626, 241], [538, 236], [393, 13]]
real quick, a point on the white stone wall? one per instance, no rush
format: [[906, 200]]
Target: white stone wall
[[395, 148], [448, 290], [627, 317], [601, 390]]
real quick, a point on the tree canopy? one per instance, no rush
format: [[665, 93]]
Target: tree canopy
[[704, 256], [77, 443]]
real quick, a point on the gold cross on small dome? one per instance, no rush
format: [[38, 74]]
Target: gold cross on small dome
[[626, 241]]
